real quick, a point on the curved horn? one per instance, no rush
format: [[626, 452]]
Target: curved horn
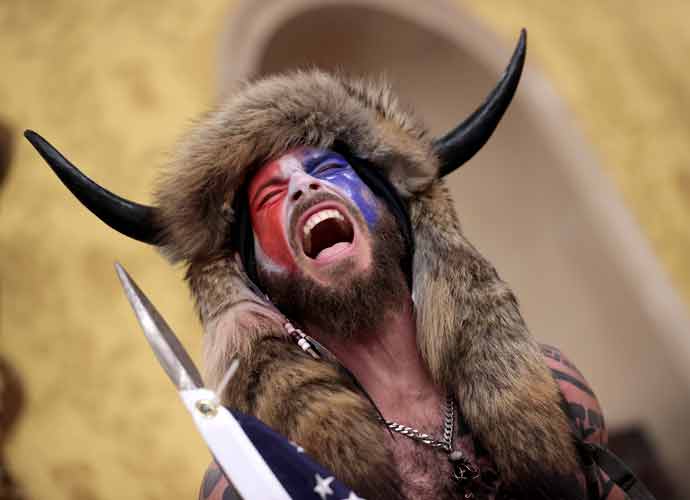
[[129, 218], [461, 143]]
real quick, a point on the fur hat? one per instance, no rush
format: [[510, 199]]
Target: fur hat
[[470, 331]]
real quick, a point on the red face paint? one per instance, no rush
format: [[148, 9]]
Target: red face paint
[[267, 193]]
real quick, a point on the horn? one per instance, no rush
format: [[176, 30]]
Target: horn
[[129, 218], [461, 143]]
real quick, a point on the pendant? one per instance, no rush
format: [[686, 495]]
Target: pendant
[[464, 472]]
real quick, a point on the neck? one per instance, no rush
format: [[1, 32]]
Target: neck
[[387, 362]]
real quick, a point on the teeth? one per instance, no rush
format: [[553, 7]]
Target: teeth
[[320, 216]]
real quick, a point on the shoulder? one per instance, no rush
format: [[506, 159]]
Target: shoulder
[[583, 407]]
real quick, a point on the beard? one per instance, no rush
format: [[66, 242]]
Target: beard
[[351, 304]]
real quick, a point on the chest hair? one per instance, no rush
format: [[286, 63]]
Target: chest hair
[[426, 472]]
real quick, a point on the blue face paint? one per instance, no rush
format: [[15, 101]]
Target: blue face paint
[[333, 168]]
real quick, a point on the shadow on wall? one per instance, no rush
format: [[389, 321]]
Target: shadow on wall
[[5, 152], [516, 202], [11, 387]]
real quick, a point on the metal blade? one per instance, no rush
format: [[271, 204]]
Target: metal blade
[[167, 348]]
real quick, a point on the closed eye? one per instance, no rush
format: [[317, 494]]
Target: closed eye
[[271, 195], [328, 168]]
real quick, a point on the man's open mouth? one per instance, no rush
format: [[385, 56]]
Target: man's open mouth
[[326, 233]]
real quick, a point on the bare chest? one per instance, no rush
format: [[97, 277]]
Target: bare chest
[[426, 473]]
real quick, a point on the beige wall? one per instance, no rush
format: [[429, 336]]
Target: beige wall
[[620, 67], [113, 84]]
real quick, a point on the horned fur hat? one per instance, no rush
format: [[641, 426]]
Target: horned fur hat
[[470, 331]]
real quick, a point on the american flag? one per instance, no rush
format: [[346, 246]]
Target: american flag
[[299, 474]]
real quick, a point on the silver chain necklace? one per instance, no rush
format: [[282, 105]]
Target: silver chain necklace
[[464, 471]]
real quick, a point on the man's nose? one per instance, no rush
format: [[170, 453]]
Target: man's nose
[[302, 184]]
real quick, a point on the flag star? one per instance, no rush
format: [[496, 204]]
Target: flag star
[[297, 447], [353, 496], [323, 487]]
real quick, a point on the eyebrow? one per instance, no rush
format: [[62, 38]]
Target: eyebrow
[[314, 161]]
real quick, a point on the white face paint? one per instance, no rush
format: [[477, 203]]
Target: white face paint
[[266, 262]]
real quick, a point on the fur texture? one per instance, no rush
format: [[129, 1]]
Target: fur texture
[[469, 327]]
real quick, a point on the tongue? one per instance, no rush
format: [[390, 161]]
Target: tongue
[[332, 250]]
